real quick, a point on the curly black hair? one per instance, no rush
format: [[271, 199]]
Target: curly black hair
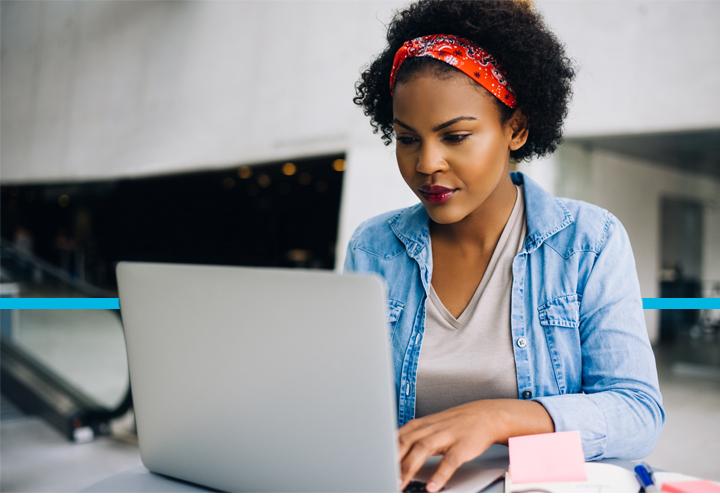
[[527, 52]]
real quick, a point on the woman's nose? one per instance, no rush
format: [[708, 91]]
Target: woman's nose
[[430, 160]]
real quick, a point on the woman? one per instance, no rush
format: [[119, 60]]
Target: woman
[[511, 312]]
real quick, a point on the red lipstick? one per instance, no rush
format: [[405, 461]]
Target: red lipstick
[[436, 193]]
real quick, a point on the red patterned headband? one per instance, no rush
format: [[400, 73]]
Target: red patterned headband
[[462, 54]]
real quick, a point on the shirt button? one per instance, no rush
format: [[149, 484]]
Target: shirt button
[[527, 394], [407, 389], [521, 342]]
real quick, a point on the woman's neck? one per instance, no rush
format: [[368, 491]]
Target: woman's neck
[[478, 233]]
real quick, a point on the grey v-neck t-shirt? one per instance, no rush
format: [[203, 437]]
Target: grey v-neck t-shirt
[[471, 357]]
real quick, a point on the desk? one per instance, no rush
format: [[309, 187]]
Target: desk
[[139, 479]]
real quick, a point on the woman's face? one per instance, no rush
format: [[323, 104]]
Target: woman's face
[[449, 134]]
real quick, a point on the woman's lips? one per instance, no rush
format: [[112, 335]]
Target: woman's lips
[[439, 196]]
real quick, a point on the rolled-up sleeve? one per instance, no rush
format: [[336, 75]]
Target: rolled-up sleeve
[[619, 412]]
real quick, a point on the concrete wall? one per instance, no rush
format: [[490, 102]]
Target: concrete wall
[[644, 65], [109, 89]]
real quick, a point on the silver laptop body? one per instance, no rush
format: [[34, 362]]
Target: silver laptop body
[[259, 379]]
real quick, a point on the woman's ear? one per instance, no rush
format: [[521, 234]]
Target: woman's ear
[[518, 124]]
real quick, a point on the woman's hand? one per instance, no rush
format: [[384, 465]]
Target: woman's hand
[[463, 433]]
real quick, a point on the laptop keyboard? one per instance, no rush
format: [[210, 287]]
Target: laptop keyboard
[[415, 487]]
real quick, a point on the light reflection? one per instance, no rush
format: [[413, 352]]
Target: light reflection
[[264, 180], [244, 172], [289, 168], [338, 165]]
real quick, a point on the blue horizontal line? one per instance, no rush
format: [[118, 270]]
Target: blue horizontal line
[[72, 303], [677, 303], [85, 303]]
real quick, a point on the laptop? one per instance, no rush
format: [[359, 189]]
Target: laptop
[[261, 379]]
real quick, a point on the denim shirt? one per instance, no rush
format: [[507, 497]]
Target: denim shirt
[[578, 331]]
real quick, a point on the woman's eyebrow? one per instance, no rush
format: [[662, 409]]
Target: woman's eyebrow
[[440, 126]]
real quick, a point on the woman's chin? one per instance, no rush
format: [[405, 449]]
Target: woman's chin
[[444, 214]]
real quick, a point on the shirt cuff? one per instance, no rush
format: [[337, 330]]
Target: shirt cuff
[[579, 412]]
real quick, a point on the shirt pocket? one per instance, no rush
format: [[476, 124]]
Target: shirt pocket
[[560, 318], [560, 311], [394, 311]]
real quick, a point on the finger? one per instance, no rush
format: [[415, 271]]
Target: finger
[[412, 425], [452, 460], [407, 440], [419, 423], [419, 453], [414, 460]]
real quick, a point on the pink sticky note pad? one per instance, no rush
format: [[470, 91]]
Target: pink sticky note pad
[[551, 457], [691, 487]]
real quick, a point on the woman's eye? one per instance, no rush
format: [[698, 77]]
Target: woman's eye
[[456, 137], [452, 138], [403, 139]]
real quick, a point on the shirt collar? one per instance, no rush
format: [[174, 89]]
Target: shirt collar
[[544, 213]]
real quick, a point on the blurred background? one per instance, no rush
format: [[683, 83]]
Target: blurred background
[[220, 132]]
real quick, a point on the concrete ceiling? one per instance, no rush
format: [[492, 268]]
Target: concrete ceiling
[[693, 151]]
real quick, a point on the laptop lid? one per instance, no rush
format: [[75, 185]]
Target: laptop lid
[[260, 379]]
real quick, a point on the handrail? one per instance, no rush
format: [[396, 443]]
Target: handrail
[[56, 272], [93, 415]]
